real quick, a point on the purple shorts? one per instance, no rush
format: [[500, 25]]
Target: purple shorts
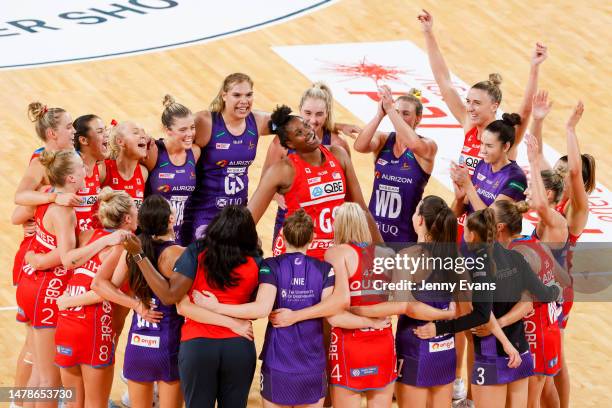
[[151, 356], [292, 388]]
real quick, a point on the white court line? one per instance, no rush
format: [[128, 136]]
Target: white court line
[[7, 308]]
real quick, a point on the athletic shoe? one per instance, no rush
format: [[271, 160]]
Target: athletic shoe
[[125, 399], [459, 389], [463, 403]]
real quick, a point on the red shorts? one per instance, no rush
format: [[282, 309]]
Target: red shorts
[[316, 249], [84, 335], [544, 341], [19, 261], [361, 360], [36, 296]]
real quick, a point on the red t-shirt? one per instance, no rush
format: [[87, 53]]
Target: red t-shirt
[[247, 275]]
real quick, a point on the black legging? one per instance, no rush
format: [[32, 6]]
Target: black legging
[[216, 370]]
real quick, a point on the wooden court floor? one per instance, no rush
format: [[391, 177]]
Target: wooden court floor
[[476, 37]]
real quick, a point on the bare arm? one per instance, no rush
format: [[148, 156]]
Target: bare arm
[[22, 214], [369, 140], [194, 312], [440, 70], [539, 55], [278, 177], [261, 307], [150, 159], [203, 124], [262, 119], [539, 198], [579, 211]]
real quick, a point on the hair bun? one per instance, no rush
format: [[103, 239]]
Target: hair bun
[[495, 79], [280, 116], [47, 157], [511, 119], [522, 207], [36, 111], [168, 100], [415, 92], [106, 194]]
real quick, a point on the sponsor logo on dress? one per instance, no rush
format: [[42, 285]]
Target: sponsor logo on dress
[[326, 189], [481, 176], [163, 189], [336, 175], [221, 163], [222, 146], [443, 345], [64, 350], [166, 175], [141, 340], [381, 162], [362, 372], [221, 202], [314, 180]]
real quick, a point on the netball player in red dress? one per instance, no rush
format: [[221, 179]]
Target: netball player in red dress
[[578, 184], [91, 141], [84, 338], [54, 127], [314, 178]]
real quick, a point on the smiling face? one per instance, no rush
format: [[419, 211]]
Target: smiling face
[[238, 99], [78, 173], [301, 137], [314, 111], [492, 149], [63, 134], [407, 110], [480, 107], [182, 131], [96, 140], [133, 140]]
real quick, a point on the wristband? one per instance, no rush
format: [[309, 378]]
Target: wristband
[[139, 257]]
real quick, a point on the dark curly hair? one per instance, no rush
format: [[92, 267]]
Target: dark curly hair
[[505, 129], [281, 116]]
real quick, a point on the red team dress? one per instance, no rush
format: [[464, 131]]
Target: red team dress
[[87, 209], [362, 359], [319, 190], [27, 239], [568, 292], [469, 157], [90, 322], [38, 290], [135, 186], [541, 325]]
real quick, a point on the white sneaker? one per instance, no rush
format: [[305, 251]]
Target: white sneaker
[[125, 399], [459, 389], [463, 403]]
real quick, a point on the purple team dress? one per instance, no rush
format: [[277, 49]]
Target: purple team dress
[[222, 175], [425, 363], [151, 353], [398, 187], [510, 180], [174, 183], [294, 358]]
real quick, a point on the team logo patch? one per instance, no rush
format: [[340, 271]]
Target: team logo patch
[[336, 175], [221, 163], [166, 175], [138, 181], [163, 189], [314, 180], [362, 372], [443, 345], [221, 202], [222, 146], [307, 170], [64, 350], [252, 145], [481, 176], [284, 293], [139, 194], [141, 340], [405, 166]]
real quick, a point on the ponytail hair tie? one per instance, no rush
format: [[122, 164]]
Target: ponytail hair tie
[[45, 109], [416, 93], [113, 123], [274, 127]]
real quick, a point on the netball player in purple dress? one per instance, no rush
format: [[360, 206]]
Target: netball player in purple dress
[[496, 177], [228, 134], [404, 162], [175, 182]]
